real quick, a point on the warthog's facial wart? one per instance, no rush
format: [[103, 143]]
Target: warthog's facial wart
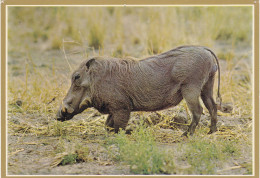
[[67, 112], [85, 103]]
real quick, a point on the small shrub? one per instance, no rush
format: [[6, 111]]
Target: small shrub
[[203, 156], [69, 159], [140, 151], [230, 147], [206, 156], [77, 154]]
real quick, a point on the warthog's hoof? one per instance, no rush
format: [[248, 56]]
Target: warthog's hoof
[[185, 134], [129, 131], [212, 130], [110, 129]]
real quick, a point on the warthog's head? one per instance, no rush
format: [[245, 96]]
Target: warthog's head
[[78, 97]]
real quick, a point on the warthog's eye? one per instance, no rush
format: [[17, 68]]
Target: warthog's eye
[[77, 77]]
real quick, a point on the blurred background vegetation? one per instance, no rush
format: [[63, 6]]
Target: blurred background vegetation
[[135, 31], [127, 30], [49, 42]]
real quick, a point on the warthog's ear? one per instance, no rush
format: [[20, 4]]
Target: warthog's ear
[[90, 62]]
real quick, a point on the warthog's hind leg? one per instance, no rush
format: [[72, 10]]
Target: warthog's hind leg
[[191, 95], [207, 98]]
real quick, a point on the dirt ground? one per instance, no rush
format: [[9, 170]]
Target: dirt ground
[[32, 154]]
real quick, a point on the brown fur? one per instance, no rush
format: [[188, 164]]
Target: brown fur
[[118, 86]]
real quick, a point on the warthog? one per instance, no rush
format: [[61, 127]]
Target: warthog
[[118, 86]]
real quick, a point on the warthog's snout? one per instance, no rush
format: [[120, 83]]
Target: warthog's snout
[[65, 112]]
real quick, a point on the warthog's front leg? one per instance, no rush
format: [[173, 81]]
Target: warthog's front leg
[[109, 123], [118, 119]]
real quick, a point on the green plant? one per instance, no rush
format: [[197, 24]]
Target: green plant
[[69, 159], [140, 151], [203, 156], [230, 147], [206, 155]]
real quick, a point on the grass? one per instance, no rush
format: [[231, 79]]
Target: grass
[[140, 152], [38, 79], [156, 28], [96, 35], [69, 159], [80, 154], [202, 155], [230, 148], [206, 155]]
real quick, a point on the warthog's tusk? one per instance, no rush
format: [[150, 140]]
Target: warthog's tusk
[[85, 102], [70, 110], [63, 109]]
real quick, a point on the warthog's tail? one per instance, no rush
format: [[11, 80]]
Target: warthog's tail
[[218, 99]]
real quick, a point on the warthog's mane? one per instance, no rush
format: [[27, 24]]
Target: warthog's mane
[[120, 67], [124, 67]]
